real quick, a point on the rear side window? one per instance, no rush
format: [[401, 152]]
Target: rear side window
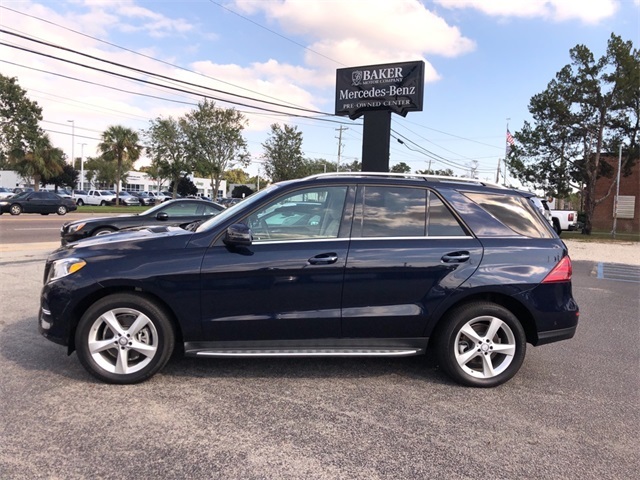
[[514, 212], [403, 212]]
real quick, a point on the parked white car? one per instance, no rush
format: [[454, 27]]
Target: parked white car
[[6, 193]]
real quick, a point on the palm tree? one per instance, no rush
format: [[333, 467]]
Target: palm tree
[[121, 144], [43, 160]]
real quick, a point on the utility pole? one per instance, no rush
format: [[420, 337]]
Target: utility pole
[[498, 172], [73, 139], [339, 137], [615, 200], [507, 147], [81, 166]]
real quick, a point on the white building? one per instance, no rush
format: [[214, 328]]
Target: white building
[[136, 181]]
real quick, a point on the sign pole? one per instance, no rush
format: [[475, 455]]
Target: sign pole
[[376, 141]]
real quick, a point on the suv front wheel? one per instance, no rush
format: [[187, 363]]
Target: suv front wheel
[[124, 338], [481, 345]]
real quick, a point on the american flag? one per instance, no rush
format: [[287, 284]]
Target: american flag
[[510, 141]]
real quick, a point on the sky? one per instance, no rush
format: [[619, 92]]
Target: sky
[[484, 60]]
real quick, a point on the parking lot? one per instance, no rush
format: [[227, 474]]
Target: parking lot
[[571, 412]]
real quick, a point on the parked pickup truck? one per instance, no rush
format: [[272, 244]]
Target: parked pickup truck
[[564, 220], [559, 219], [96, 197]]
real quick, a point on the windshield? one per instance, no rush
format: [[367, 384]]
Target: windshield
[[244, 205], [153, 210]]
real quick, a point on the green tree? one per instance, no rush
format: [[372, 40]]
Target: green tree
[[241, 191], [283, 159], [400, 168], [258, 181], [355, 166], [122, 145], [100, 172], [169, 150], [215, 140], [236, 176], [314, 166], [19, 117], [41, 161], [156, 173], [183, 187], [588, 110], [67, 178]]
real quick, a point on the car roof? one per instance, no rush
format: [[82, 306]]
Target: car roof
[[435, 181]]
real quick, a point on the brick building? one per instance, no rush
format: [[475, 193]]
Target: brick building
[[629, 194]]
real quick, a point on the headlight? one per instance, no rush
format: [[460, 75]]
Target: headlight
[[4, 203], [64, 267], [76, 227]]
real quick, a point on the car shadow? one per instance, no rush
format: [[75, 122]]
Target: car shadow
[[22, 344]]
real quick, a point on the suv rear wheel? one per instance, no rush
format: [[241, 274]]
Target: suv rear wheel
[[481, 345], [124, 338]]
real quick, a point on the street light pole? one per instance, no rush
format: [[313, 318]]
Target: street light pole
[[82, 166], [73, 139]]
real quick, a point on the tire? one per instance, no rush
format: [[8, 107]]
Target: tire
[[62, 210], [80, 202], [556, 226], [15, 209], [473, 358], [103, 203], [124, 338], [102, 231]]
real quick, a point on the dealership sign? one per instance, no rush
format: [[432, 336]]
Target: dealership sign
[[397, 87]]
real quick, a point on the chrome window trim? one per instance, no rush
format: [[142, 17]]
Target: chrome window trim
[[312, 240]]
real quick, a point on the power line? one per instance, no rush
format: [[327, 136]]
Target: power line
[[143, 55], [145, 72], [276, 33]]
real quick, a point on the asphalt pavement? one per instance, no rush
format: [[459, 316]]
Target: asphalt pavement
[[570, 413]]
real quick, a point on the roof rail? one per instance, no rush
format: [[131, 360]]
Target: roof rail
[[438, 178]]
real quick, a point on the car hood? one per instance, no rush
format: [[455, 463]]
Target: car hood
[[99, 219], [129, 240]]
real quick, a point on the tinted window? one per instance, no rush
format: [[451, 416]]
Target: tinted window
[[514, 212], [403, 212], [309, 213], [184, 209], [440, 221], [392, 212]]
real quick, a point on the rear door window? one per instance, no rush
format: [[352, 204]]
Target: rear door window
[[385, 211]]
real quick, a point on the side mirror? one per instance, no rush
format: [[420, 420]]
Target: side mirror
[[162, 216], [238, 234]]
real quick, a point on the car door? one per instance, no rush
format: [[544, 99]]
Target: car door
[[287, 284], [408, 253], [51, 201], [37, 202]]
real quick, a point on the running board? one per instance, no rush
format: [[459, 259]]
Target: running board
[[308, 352]]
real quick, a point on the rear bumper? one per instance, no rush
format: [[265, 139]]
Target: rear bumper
[[555, 335]]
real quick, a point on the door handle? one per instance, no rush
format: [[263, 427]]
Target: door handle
[[456, 257], [324, 259]]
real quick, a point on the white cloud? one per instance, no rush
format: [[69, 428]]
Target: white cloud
[[357, 32], [588, 11]]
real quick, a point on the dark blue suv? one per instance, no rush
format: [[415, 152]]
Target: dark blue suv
[[360, 264]]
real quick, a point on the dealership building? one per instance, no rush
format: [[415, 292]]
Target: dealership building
[[135, 181]]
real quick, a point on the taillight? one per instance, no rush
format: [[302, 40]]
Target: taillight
[[561, 272], [571, 217]]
